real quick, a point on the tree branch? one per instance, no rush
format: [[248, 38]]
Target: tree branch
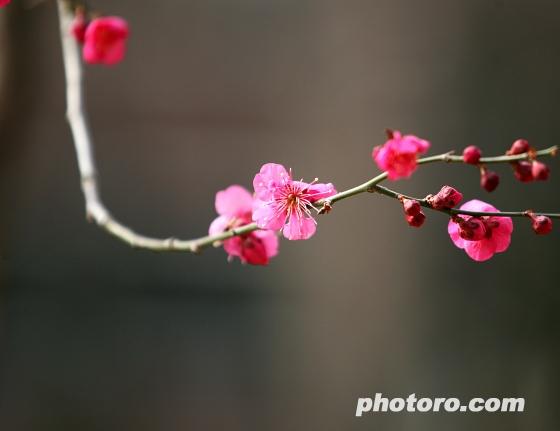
[[95, 209], [455, 211]]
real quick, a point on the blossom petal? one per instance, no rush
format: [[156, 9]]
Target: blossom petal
[[318, 190], [254, 251], [234, 246], [269, 241], [453, 230], [219, 224], [269, 217], [235, 201], [478, 206], [299, 228], [114, 54], [481, 250], [269, 174], [502, 234]]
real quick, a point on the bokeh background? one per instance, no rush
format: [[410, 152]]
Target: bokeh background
[[96, 336]]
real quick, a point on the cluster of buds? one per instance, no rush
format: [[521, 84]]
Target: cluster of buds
[[103, 38], [527, 171], [489, 180], [412, 209]]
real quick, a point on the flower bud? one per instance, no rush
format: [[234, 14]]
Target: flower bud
[[523, 172], [437, 201], [519, 147], [79, 25], [471, 229], [541, 225], [451, 197], [489, 180], [411, 207], [416, 220], [539, 171], [472, 155]]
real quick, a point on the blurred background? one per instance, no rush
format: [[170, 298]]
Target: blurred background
[[96, 336]]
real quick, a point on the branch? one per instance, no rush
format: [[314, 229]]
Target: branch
[[455, 211], [325, 205], [95, 209]]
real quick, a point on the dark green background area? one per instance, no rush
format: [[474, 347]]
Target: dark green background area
[[96, 336]]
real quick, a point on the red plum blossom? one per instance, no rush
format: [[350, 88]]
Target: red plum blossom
[[235, 206], [497, 234], [4, 2], [286, 203], [104, 40], [398, 156]]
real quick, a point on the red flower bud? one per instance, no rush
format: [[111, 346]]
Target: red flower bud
[[523, 172], [541, 225], [411, 207], [451, 197], [437, 201], [489, 180], [519, 147], [79, 26], [416, 220], [472, 155], [539, 171], [471, 229]]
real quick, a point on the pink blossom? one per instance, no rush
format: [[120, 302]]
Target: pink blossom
[[104, 40], [286, 203], [399, 154], [235, 206], [4, 2], [497, 232]]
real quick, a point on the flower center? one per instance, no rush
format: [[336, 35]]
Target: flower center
[[292, 199]]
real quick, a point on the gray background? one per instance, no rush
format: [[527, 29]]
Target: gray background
[[95, 336]]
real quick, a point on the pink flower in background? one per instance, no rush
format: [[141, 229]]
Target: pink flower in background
[[285, 203], [399, 154], [104, 40], [4, 2], [497, 232], [235, 206]]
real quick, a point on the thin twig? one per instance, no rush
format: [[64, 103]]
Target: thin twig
[[325, 205], [455, 211]]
